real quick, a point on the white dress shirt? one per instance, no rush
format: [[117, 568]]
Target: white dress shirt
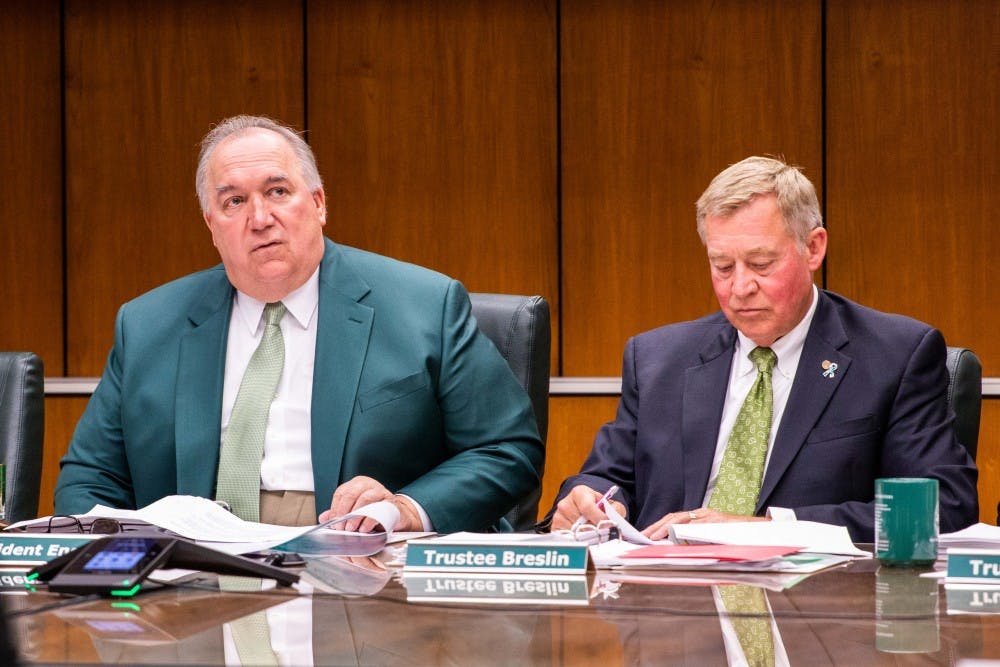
[[742, 376], [287, 462]]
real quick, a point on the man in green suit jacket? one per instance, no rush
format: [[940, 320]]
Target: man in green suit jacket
[[404, 399]]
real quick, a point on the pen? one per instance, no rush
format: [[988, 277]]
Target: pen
[[607, 495]]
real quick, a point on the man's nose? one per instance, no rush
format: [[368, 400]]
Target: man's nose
[[259, 212], [744, 281]]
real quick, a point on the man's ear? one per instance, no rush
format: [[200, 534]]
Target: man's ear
[[816, 247], [319, 198]]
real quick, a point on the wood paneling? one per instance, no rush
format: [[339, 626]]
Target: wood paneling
[[435, 127], [988, 460], [31, 252], [657, 98], [912, 163], [573, 423], [144, 82], [61, 415]]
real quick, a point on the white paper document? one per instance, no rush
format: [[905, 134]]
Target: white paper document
[[207, 523], [810, 536], [976, 536], [627, 531]]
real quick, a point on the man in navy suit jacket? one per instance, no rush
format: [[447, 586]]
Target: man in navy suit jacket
[[858, 394]]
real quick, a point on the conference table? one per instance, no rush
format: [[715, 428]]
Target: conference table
[[360, 613]]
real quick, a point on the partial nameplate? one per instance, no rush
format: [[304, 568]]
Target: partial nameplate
[[475, 587], [509, 553]]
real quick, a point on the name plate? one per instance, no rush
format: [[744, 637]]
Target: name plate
[[493, 554], [495, 588], [973, 566], [37, 548], [973, 599]]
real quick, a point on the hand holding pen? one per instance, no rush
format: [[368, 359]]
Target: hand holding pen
[[583, 503]]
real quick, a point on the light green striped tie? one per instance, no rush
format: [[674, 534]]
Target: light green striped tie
[[742, 469], [243, 446]]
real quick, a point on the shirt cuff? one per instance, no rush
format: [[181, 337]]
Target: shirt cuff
[[780, 514], [425, 520]]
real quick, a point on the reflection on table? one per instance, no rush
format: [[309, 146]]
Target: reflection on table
[[357, 613]]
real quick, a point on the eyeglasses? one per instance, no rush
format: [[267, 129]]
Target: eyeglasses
[[62, 523]]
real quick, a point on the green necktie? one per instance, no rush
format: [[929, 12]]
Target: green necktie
[[251, 634], [243, 446], [747, 610], [738, 484]]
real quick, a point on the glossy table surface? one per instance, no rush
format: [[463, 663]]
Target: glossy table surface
[[856, 614]]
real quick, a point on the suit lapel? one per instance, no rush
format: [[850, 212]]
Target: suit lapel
[[704, 395], [198, 399], [810, 393], [341, 345]]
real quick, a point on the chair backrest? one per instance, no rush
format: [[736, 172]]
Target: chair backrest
[[22, 430], [519, 327], [965, 395]]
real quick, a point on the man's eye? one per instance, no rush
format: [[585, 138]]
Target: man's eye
[[279, 192], [760, 267], [232, 202], [723, 269]]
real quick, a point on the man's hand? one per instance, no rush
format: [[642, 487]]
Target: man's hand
[[659, 530], [355, 494], [581, 501]]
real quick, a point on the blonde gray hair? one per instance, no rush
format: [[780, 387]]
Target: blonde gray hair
[[738, 185], [237, 125]]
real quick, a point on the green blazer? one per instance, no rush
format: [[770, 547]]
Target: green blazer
[[405, 390]]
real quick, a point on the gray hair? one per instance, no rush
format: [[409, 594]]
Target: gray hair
[[737, 185], [237, 125]]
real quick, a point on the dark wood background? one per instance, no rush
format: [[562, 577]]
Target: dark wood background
[[540, 147]]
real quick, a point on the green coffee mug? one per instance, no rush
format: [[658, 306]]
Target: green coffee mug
[[906, 521]]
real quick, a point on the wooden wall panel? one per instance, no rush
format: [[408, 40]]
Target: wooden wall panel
[[31, 253], [912, 163], [657, 98], [435, 127], [144, 82], [61, 415], [988, 460], [573, 423]]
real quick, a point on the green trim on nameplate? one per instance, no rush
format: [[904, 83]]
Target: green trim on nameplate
[[520, 558], [973, 565], [495, 588], [38, 548]]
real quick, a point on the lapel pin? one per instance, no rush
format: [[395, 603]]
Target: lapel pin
[[829, 368]]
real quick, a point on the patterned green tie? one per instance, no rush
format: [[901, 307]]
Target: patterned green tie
[[747, 610], [738, 484], [251, 634], [243, 446]]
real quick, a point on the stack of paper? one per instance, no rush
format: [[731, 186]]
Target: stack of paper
[[809, 536], [623, 555], [978, 536], [208, 524]]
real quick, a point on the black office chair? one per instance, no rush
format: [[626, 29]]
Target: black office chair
[[519, 327], [22, 430], [965, 395]]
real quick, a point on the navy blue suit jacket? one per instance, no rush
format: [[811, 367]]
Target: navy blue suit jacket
[[883, 414]]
